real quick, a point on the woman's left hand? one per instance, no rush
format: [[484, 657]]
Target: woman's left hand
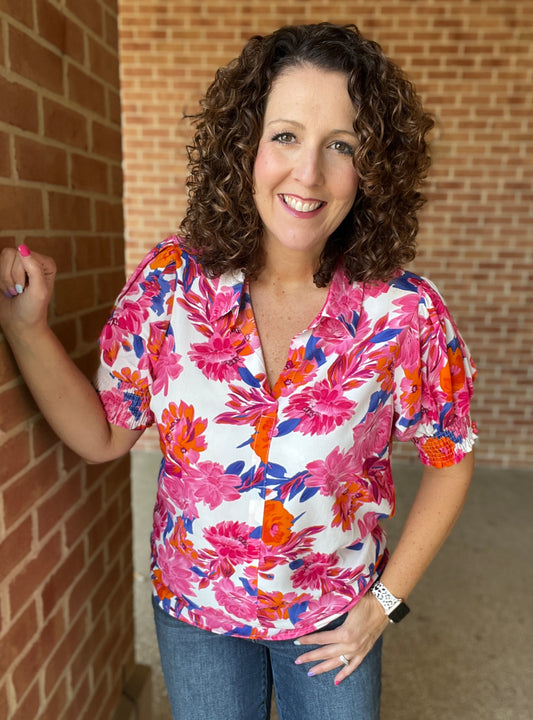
[[364, 624]]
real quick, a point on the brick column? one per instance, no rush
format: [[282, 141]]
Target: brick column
[[66, 617]]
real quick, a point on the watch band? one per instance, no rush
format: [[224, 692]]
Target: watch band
[[394, 607]]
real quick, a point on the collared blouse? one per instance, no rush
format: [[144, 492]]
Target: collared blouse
[[268, 515]]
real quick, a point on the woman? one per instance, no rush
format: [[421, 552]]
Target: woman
[[280, 348]]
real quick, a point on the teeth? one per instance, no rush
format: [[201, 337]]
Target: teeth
[[301, 206]]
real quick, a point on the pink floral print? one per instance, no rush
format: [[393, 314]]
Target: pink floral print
[[270, 501]]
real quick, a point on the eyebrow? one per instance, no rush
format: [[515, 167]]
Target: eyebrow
[[301, 125]]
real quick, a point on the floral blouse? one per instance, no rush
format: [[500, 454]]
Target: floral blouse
[[269, 503]]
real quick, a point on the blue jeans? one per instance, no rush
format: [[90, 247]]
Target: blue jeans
[[218, 677]]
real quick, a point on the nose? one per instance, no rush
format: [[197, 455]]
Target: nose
[[308, 167]]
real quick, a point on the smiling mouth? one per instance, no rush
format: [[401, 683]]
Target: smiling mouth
[[302, 205]]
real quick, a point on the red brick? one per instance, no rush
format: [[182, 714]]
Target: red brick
[[21, 10], [59, 30], [18, 637], [15, 453], [43, 438], [109, 217], [82, 519], [107, 141], [29, 708], [115, 111], [74, 294], [15, 546], [21, 495], [69, 212], [85, 90], [98, 534], [57, 703], [111, 29], [82, 692], [4, 703], [86, 581], [38, 653], [39, 162], [103, 62], [62, 579], [34, 571], [16, 405], [64, 124], [92, 253], [35, 62], [63, 654], [5, 159], [92, 324], [109, 286], [59, 248], [21, 208], [56, 507], [89, 174], [89, 12]]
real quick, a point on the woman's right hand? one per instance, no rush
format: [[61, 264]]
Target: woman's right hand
[[26, 285]]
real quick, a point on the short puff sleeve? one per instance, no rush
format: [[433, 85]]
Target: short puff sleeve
[[137, 355], [434, 382]]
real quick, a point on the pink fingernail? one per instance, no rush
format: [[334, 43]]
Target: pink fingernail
[[24, 250], [337, 682]]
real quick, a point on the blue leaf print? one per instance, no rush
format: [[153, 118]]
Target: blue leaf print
[[378, 398], [287, 426], [248, 378], [296, 610], [355, 546], [243, 631], [314, 353], [386, 335], [275, 470], [138, 346], [235, 468], [249, 589], [405, 281], [308, 493]]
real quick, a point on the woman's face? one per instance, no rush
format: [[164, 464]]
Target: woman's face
[[304, 178]]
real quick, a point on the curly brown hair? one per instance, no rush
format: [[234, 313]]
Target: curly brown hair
[[222, 226]]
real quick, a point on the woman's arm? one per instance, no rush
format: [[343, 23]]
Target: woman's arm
[[65, 396], [437, 505]]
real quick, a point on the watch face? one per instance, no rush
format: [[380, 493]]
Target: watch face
[[398, 613]]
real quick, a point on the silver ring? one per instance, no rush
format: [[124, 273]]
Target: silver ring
[[344, 660]]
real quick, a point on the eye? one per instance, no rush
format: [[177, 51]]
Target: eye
[[285, 138], [343, 148]]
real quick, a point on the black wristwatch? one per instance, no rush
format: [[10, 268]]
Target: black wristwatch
[[395, 608]]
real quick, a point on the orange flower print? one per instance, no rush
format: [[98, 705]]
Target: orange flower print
[[182, 433], [262, 437], [297, 371], [440, 452], [348, 502], [411, 392], [165, 256], [452, 376], [277, 522]]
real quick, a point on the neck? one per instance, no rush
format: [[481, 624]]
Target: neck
[[288, 270]]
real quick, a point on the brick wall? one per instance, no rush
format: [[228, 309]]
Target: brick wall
[[471, 61], [66, 626]]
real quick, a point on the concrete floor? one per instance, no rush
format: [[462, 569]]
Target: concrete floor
[[466, 650]]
